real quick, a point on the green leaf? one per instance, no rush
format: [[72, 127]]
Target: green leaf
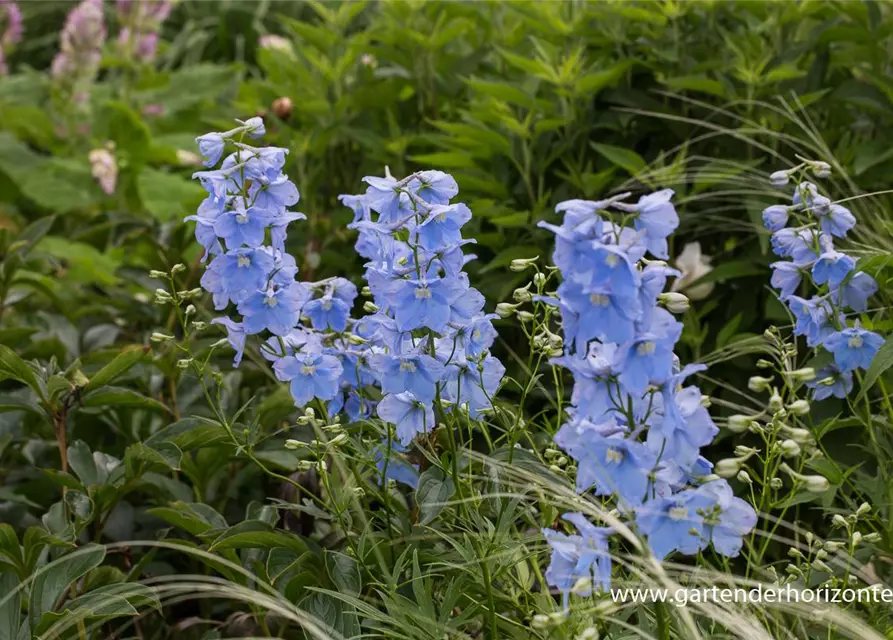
[[344, 572], [168, 196], [162, 456], [432, 493], [121, 397], [593, 82], [260, 540], [882, 361], [54, 579], [10, 606], [626, 159], [9, 545], [126, 129], [696, 83], [86, 263], [195, 518], [81, 461], [446, 159], [60, 185], [122, 363], [12, 367]]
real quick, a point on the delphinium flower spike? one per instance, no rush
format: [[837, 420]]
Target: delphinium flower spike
[[804, 233], [635, 430]]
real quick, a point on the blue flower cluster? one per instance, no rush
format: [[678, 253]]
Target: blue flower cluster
[[247, 206], [427, 341], [634, 430], [809, 246]]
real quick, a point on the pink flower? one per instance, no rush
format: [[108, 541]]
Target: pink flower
[[104, 169]]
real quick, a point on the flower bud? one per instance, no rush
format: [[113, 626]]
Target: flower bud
[[366, 291], [799, 407], [758, 383], [522, 264], [790, 449], [341, 437], [160, 337], [190, 310], [744, 477], [199, 326], [178, 268], [370, 307], [582, 586], [539, 279], [838, 520], [539, 621], [832, 546], [857, 538], [800, 436], [184, 363], [821, 566], [778, 179], [874, 536], [775, 401], [321, 466], [674, 302], [292, 444], [776, 483], [526, 316], [589, 633], [354, 339], [804, 375], [727, 467], [764, 364], [522, 295], [162, 296], [505, 310], [864, 509], [820, 169], [817, 484], [738, 423], [157, 274]]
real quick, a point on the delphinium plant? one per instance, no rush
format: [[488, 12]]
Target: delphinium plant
[[634, 429]]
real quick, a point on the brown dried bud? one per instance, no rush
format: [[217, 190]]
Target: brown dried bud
[[282, 107]]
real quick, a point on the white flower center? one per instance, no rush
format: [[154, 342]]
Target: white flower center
[[612, 260], [476, 334], [441, 217], [308, 370], [327, 305], [645, 348], [270, 301], [855, 342], [600, 300], [241, 218], [406, 365], [614, 455], [243, 261], [422, 293], [678, 513]]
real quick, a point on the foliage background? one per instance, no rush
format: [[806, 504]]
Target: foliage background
[[525, 103]]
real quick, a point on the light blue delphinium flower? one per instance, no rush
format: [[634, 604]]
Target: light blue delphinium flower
[[395, 466], [832, 267], [853, 348], [327, 312], [235, 335], [442, 226], [837, 221], [474, 385], [415, 372], [579, 556], [408, 414], [615, 465], [647, 359], [236, 275], [310, 375], [729, 520], [421, 303], [658, 218], [276, 309], [855, 292], [831, 381], [786, 277], [685, 426], [601, 313], [812, 318], [775, 217], [673, 523], [211, 146], [243, 227], [437, 187]]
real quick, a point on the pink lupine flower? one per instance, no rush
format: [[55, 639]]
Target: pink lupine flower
[[80, 51]]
